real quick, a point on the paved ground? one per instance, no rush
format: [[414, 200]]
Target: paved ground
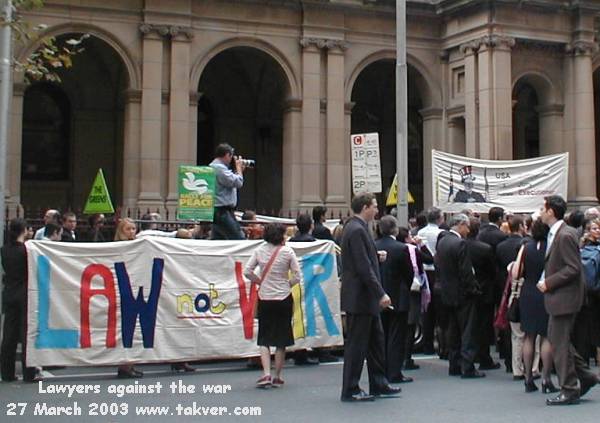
[[311, 394]]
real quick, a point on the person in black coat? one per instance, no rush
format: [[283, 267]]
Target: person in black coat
[[69, 221], [14, 302], [484, 263], [320, 231], [363, 298], [396, 277], [460, 293]]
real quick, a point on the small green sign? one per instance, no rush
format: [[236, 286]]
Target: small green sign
[[196, 193], [99, 199]]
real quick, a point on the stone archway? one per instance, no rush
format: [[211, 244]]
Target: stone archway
[[242, 91], [91, 130], [373, 93], [537, 117]]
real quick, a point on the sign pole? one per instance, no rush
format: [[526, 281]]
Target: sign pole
[[401, 113]]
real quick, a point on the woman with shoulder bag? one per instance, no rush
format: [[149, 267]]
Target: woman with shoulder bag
[[275, 304], [533, 315]]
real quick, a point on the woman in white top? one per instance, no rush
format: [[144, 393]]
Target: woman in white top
[[275, 304]]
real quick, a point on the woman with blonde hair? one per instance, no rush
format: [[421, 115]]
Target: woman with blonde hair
[[126, 230]]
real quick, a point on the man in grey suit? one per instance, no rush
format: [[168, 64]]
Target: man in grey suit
[[563, 285], [362, 298]]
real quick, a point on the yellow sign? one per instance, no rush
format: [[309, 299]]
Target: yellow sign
[[392, 198], [99, 199]]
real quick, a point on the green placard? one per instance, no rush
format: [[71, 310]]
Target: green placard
[[196, 193], [99, 199]]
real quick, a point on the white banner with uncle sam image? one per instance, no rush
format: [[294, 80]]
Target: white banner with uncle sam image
[[161, 299], [516, 185]]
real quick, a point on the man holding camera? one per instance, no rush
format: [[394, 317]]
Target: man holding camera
[[228, 181]]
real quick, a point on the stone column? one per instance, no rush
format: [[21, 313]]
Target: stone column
[[14, 158], [337, 155], [501, 90], [471, 99], [150, 151], [583, 128], [456, 136], [311, 159], [179, 111], [432, 136], [551, 129], [131, 149], [292, 154]]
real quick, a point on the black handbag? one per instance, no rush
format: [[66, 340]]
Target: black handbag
[[514, 314]]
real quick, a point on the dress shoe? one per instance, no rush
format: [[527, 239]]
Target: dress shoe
[[306, 362], [327, 358], [549, 388], [411, 365], [182, 367], [489, 366], [454, 372], [473, 374], [401, 379], [586, 385], [129, 374], [386, 391], [519, 377], [530, 386], [358, 397], [563, 399]]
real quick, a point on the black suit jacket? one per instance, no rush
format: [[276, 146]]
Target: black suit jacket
[[321, 232], [14, 263], [67, 236], [492, 235], [458, 283], [484, 263], [506, 253], [396, 272], [361, 286], [302, 238]]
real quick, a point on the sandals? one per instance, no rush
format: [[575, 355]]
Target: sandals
[[264, 382]]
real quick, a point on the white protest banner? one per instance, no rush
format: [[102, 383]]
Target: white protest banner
[[162, 299], [515, 185], [366, 166]]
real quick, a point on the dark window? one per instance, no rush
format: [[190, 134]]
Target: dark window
[[46, 123]]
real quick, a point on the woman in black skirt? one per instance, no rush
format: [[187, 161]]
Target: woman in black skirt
[[534, 318], [275, 304]]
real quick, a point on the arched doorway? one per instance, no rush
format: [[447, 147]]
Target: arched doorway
[[374, 95], [241, 98], [73, 128], [526, 121]]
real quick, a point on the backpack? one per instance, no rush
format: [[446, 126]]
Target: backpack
[[590, 258]]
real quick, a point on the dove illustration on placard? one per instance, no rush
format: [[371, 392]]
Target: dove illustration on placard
[[192, 184]]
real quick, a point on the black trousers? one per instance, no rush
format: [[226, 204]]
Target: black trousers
[[431, 316], [13, 333], [364, 338], [395, 330], [485, 332], [462, 343], [225, 225], [569, 365]]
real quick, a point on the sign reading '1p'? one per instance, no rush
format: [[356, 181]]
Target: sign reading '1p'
[[366, 167]]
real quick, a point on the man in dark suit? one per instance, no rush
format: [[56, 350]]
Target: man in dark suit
[[460, 292], [484, 263], [396, 276], [363, 298], [563, 285], [320, 231], [69, 221]]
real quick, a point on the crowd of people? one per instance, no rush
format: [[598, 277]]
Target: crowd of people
[[528, 284]]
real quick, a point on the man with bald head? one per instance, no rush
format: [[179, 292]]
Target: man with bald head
[[51, 216]]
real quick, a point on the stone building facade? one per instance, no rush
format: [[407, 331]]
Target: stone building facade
[[160, 83]]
